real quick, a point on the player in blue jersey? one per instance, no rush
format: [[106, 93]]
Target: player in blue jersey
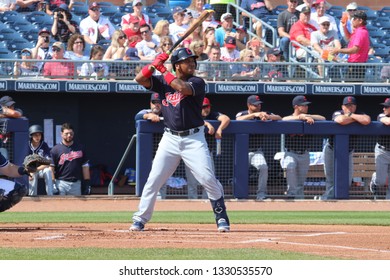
[[182, 97], [11, 192]]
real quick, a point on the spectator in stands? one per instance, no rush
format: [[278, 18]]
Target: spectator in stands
[[296, 158], [96, 27], [26, 6], [197, 48], [42, 49], [63, 25], [323, 40], [259, 9], [95, 70], [358, 47], [225, 28], [229, 52], [132, 32], [210, 20], [37, 145], [382, 155], [209, 39], [75, 50], [52, 5], [178, 27], [161, 30], [214, 71], [8, 5], [241, 37], [246, 71], [301, 32], [165, 44], [258, 49], [220, 7], [347, 115], [273, 70], [59, 70], [196, 35], [196, 8], [256, 155], [147, 48], [70, 164], [117, 48], [224, 121], [345, 25], [385, 73], [321, 6], [26, 68], [286, 19], [137, 12]]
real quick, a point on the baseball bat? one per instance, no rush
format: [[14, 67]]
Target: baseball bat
[[191, 29]]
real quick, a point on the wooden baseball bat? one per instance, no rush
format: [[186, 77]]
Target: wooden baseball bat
[[191, 29]]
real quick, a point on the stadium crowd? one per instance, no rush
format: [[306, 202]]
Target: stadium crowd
[[309, 32]]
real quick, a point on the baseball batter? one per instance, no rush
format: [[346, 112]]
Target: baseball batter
[[182, 96]]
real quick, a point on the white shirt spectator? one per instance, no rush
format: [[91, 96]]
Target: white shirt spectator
[[177, 31], [90, 28], [143, 48]]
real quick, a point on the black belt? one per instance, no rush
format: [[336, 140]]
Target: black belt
[[384, 148], [296, 152], [182, 133]]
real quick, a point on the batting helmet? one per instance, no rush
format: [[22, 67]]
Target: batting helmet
[[180, 55], [36, 128]]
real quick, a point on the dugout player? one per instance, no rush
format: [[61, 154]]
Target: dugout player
[[297, 147], [70, 165], [182, 96], [11, 192]]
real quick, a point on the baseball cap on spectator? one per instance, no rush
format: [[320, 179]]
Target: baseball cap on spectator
[[254, 100], [360, 14], [94, 5], [300, 100], [226, 16], [324, 19], [386, 103], [178, 9], [7, 101], [206, 102], [26, 51], [44, 30], [352, 6], [274, 51], [230, 42], [155, 97], [59, 45], [241, 28], [306, 10], [136, 2], [132, 54], [207, 6], [349, 100]]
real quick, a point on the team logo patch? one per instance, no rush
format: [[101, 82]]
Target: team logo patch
[[173, 98]]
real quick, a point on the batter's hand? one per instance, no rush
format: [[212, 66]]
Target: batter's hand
[[161, 68], [160, 59]]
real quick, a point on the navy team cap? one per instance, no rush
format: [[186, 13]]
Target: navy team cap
[[300, 100], [254, 99], [349, 100]]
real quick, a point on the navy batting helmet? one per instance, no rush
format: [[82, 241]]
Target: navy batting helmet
[[180, 55], [36, 128]]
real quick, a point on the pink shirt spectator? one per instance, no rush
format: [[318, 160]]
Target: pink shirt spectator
[[59, 70], [361, 39]]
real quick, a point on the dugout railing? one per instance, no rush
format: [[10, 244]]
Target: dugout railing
[[237, 173]]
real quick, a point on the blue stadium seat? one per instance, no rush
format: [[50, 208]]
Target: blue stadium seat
[[158, 9], [8, 34], [39, 18], [181, 3], [8, 55], [383, 52], [154, 19], [381, 22], [31, 37], [8, 14], [11, 18], [109, 11], [19, 44], [127, 8], [117, 19], [335, 13], [377, 33], [278, 9], [373, 72], [364, 8], [106, 4], [80, 9], [25, 27]]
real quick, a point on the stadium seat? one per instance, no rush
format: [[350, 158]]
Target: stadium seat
[[7, 34], [8, 14], [80, 9], [155, 18], [116, 19], [109, 11], [19, 44], [383, 52], [181, 3], [39, 18], [31, 37], [278, 9], [377, 33], [8, 55], [127, 8], [25, 27], [77, 18], [11, 18], [373, 72], [158, 9]]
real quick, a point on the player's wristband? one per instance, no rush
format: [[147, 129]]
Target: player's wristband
[[169, 77], [22, 171], [146, 71]]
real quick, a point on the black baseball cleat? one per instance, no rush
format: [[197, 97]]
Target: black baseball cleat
[[223, 225]]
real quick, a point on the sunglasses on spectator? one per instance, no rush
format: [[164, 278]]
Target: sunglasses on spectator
[[56, 49], [95, 9], [200, 45], [325, 24], [145, 32], [78, 42], [26, 53], [181, 14], [354, 10], [167, 44], [122, 37], [250, 56], [205, 106], [293, 1], [156, 102]]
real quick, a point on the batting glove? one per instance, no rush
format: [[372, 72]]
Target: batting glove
[[160, 59]]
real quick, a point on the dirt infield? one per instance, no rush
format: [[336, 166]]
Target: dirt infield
[[349, 242]]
